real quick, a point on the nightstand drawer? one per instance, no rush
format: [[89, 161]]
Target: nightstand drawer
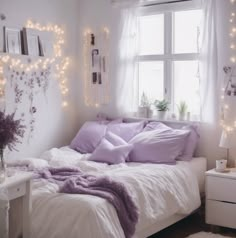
[[221, 213], [17, 191], [221, 189]]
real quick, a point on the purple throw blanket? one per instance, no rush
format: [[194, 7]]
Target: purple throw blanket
[[74, 181]]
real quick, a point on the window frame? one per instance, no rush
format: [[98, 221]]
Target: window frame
[[169, 56]]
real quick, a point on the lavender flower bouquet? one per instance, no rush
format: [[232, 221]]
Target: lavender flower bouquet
[[11, 131]]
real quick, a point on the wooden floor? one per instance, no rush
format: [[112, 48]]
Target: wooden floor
[[191, 225]]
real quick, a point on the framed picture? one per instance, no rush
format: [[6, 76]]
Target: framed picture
[[46, 40], [1, 40], [31, 42], [12, 39]]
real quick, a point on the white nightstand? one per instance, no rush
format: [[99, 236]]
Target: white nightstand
[[17, 186], [221, 198]]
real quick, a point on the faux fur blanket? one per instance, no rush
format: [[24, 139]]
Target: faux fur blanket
[[74, 181]]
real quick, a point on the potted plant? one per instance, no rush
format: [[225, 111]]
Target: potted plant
[[182, 108], [11, 131], [144, 109], [162, 107]]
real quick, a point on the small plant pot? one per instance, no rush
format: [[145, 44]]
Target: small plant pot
[[143, 111], [161, 115], [150, 113], [182, 117]]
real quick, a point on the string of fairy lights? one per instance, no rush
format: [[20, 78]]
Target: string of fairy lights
[[61, 63], [226, 125]]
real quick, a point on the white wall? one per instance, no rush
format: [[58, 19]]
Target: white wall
[[54, 126], [99, 13]]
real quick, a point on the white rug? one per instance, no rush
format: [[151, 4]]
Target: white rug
[[207, 235]]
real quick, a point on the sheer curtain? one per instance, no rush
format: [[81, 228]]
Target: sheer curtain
[[209, 85], [126, 86]]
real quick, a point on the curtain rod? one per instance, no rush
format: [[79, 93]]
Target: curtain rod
[[161, 3]]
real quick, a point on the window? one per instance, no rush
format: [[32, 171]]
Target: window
[[168, 56]]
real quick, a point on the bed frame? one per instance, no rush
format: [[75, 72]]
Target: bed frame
[[160, 225]]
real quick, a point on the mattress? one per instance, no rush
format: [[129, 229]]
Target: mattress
[[198, 166], [160, 192]]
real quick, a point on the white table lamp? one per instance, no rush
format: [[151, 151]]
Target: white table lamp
[[226, 142]]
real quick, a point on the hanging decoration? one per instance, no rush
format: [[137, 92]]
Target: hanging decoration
[[229, 88], [29, 76], [96, 54]]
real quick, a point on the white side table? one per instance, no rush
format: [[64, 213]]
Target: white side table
[[17, 186], [221, 198]]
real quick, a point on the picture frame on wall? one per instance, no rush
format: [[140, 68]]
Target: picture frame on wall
[[46, 47], [1, 40], [12, 40], [31, 42]]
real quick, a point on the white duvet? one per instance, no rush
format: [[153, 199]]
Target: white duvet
[[160, 191]]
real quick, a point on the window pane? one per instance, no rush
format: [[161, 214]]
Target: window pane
[[186, 31], [151, 80], [151, 34], [186, 85]]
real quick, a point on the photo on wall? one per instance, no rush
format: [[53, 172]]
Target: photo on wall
[[46, 40], [31, 42], [12, 37], [1, 39]]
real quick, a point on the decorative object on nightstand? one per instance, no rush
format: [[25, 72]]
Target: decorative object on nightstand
[[17, 186], [226, 142], [221, 198], [10, 131]]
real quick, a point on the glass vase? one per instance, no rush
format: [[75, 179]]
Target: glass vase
[[2, 167]]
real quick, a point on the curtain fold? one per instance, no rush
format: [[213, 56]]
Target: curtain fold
[[209, 83], [126, 88]]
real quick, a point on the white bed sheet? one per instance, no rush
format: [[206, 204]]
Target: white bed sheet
[[160, 191]]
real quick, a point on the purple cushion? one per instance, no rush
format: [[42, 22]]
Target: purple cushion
[[88, 137], [106, 152], [158, 146], [114, 139], [156, 126], [126, 130], [191, 143]]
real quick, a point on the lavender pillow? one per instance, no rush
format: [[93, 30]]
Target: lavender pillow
[[156, 126], [126, 130], [110, 154], [158, 147], [191, 143], [88, 137], [114, 139]]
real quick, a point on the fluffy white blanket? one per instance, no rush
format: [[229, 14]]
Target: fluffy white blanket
[[159, 191]]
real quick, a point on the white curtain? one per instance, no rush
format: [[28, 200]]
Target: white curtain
[[209, 83], [126, 88]]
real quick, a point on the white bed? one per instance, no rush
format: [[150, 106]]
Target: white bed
[[164, 195]]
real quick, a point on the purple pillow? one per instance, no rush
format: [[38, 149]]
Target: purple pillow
[[191, 143], [156, 126], [114, 139], [88, 137], [126, 130], [106, 152], [158, 146]]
